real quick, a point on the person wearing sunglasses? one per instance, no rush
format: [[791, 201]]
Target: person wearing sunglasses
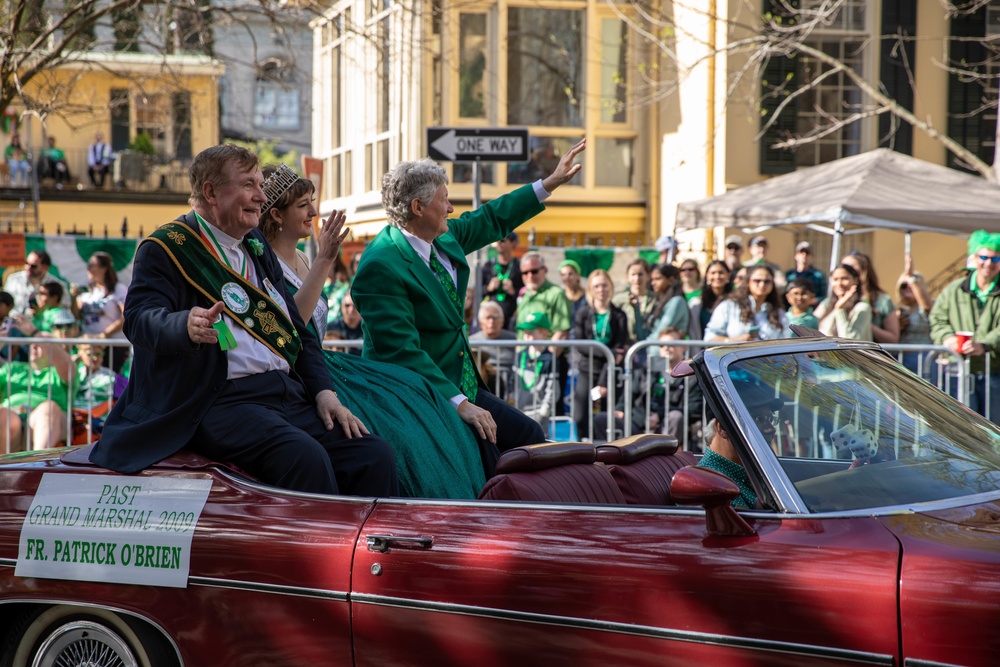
[[722, 454], [25, 285], [753, 311], [971, 305]]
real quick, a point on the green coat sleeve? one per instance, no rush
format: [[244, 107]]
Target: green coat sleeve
[[495, 219]]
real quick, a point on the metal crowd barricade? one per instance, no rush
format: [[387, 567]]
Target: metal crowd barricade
[[82, 404], [638, 359], [481, 347], [952, 376]]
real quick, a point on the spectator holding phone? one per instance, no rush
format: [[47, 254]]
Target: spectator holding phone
[[915, 303]]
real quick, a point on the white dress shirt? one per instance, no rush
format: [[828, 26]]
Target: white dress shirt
[[250, 356]]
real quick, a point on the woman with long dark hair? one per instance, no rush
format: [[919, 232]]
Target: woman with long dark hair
[[101, 308], [885, 320], [844, 314], [752, 312], [669, 306], [716, 287]]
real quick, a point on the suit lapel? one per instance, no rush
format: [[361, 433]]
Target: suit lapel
[[426, 278]]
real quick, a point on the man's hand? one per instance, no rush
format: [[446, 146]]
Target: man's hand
[[566, 169], [479, 419], [970, 348], [199, 325], [331, 410]]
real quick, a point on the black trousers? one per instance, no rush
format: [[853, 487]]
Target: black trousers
[[514, 429], [267, 425]]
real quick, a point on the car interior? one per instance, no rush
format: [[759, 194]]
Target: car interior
[[634, 471]]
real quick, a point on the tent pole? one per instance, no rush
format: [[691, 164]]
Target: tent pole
[[838, 235], [907, 241]]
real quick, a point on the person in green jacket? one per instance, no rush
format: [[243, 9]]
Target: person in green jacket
[[412, 279], [971, 305]]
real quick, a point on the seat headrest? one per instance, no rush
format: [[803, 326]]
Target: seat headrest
[[636, 447], [545, 455]]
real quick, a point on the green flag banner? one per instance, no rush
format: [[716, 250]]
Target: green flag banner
[[70, 254]]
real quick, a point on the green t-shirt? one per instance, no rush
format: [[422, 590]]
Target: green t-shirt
[[43, 383], [93, 388], [551, 300], [43, 320]]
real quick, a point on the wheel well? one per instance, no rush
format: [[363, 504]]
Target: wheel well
[[147, 632]]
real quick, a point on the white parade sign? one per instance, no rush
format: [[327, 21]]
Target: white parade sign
[[115, 529], [469, 144]]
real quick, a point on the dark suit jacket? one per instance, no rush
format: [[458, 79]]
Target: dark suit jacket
[[173, 381], [408, 318]]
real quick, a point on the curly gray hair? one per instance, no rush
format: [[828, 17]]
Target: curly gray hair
[[408, 181]]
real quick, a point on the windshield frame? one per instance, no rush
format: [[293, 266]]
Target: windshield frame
[[763, 465]]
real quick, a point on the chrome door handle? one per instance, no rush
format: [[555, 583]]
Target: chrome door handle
[[382, 543]]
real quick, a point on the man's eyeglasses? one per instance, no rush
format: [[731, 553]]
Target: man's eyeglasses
[[531, 272], [766, 420], [32, 266], [987, 258], [733, 247]]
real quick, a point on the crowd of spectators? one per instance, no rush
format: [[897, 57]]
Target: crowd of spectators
[[40, 383], [727, 300]]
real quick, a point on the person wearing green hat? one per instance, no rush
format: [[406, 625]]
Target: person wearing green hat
[[536, 391], [966, 319]]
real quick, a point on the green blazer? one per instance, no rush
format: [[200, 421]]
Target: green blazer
[[408, 318]]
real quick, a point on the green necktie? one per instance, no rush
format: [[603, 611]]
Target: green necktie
[[469, 385]]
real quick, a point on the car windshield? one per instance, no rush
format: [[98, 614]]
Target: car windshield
[[858, 431]]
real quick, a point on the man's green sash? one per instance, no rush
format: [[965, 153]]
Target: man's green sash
[[244, 302]]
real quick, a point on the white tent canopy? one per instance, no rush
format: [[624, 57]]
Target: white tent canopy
[[880, 189]]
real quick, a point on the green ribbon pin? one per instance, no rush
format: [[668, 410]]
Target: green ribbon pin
[[226, 339]]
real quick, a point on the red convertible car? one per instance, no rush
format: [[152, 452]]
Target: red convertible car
[[875, 540]]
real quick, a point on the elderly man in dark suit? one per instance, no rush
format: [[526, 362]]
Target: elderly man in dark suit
[[224, 364], [413, 275]]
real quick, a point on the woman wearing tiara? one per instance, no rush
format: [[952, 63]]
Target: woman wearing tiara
[[436, 454]]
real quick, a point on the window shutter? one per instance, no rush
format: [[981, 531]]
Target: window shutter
[[780, 79], [965, 125], [898, 17]]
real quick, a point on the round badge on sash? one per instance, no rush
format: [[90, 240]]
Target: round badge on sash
[[235, 298]]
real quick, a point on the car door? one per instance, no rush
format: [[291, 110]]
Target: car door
[[950, 584], [439, 583]]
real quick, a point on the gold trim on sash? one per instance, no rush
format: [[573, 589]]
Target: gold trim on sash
[[265, 320]]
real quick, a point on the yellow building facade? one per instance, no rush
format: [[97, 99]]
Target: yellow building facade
[[171, 99], [384, 73], [665, 103]]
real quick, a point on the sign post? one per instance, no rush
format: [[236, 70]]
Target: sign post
[[477, 144]]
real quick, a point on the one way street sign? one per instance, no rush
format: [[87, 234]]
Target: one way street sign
[[468, 144]]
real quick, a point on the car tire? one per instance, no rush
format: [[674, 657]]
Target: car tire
[[70, 635]]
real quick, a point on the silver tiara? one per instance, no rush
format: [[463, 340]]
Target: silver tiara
[[277, 184]]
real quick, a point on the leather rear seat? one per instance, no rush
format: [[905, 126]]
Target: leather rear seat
[[554, 472], [643, 466]]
